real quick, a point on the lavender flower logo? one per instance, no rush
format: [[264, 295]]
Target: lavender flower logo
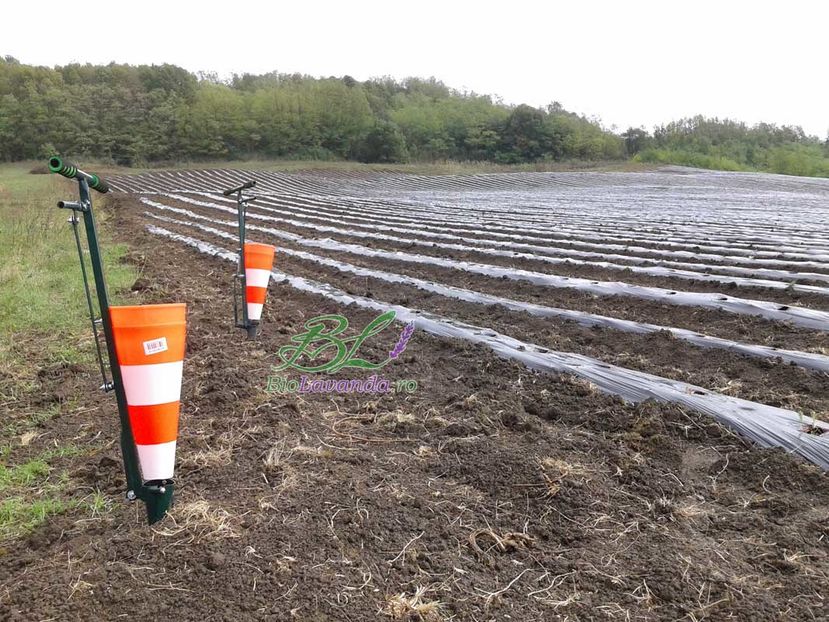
[[324, 346], [401, 344]]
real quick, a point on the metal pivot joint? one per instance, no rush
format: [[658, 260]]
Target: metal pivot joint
[[157, 496], [240, 300]]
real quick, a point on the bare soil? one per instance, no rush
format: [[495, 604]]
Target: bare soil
[[749, 329], [490, 493], [569, 269], [768, 381]]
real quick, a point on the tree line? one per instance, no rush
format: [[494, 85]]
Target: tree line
[[731, 146], [133, 115]]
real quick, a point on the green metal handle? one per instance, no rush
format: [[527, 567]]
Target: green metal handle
[[67, 169], [244, 186]]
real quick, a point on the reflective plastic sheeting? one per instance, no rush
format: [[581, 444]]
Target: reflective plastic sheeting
[[768, 426]]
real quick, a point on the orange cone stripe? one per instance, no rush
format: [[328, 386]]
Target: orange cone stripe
[[156, 424], [259, 256], [258, 264], [149, 346], [256, 294], [148, 334]]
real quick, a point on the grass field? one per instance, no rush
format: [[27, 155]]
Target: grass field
[[39, 271], [44, 325]]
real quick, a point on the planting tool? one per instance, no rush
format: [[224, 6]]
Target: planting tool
[[241, 310], [156, 494]]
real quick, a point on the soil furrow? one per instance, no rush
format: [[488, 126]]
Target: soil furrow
[[753, 379], [718, 323], [565, 268]]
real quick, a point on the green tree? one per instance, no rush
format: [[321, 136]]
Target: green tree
[[636, 139], [383, 143]]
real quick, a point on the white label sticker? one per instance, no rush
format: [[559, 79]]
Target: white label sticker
[[154, 346]]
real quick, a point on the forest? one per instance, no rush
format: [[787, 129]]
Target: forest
[[731, 146], [138, 115]]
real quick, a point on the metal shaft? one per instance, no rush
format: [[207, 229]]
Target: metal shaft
[[156, 498], [106, 385], [241, 215]]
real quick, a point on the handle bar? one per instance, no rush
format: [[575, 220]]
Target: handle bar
[[71, 171], [244, 186]]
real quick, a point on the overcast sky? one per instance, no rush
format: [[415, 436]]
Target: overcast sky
[[628, 62]]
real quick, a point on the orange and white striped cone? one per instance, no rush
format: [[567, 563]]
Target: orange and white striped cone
[[258, 264], [149, 345]]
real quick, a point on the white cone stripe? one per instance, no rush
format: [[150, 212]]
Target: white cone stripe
[[146, 385], [254, 311], [256, 277], [157, 461]]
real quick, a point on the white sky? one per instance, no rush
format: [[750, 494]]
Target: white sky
[[629, 62]]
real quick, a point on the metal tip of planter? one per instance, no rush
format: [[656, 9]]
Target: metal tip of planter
[[158, 500], [253, 331]]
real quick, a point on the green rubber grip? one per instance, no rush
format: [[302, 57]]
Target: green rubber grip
[[96, 183], [67, 169]]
